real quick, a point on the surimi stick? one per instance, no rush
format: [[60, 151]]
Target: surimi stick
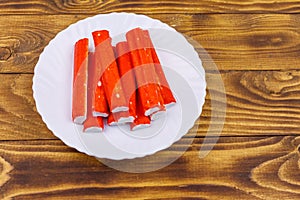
[[141, 121], [99, 106], [99, 102], [129, 86], [146, 59], [109, 69], [148, 90], [111, 121], [79, 96], [92, 124], [163, 83], [127, 76], [119, 118]]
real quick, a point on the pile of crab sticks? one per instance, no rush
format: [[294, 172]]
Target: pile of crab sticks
[[124, 84]]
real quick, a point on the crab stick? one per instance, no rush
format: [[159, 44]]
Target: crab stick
[[80, 72], [91, 124], [110, 79], [162, 81], [148, 90], [119, 118], [127, 76], [141, 121], [99, 102]]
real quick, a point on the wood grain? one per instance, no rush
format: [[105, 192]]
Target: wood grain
[[261, 41], [258, 103], [237, 168], [18, 116], [170, 6], [255, 45]]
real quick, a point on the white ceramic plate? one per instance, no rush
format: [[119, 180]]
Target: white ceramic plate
[[52, 88]]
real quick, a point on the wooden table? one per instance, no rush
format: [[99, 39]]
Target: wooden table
[[255, 45]]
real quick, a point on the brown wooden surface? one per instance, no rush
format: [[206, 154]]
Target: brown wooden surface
[[254, 43], [148, 6], [237, 168], [234, 41]]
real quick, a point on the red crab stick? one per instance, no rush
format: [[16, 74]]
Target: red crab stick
[[99, 102], [163, 83], [128, 82], [141, 121], [148, 90], [127, 76], [92, 124], [119, 118], [79, 96], [110, 78]]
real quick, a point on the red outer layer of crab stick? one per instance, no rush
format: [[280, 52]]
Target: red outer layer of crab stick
[[79, 96], [163, 83], [127, 75], [110, 78], [92, 124], [111, 120], [119, 118], [141, 121], [148, 90], [99, 102]]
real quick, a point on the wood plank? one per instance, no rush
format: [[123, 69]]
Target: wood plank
[[18, 116], [261, 42], [258, 103], [237, 168], [169, 6]]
